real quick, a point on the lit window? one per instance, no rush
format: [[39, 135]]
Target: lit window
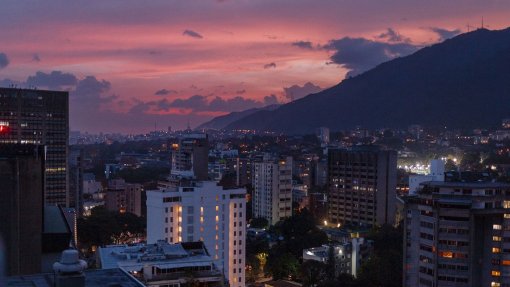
[[506, 203], [496, 250], [495, 273], [496, 227], [505, 262], [217, 218], [495, 284], [446, 254], [496, 238], [506, 215]]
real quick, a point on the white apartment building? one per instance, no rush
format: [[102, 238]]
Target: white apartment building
[[202, 211], [272, 189]]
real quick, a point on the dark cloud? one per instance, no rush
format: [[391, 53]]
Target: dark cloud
[[303, 44], [56, 80], [296, 92], [445, 33], [270, 66], [90, 87], [240, 92], [199, 103], [36, 58], [164, 92], [192, 33], [4, 61], [360, 55], [393, 36]]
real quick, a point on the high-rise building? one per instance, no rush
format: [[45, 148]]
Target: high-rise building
[[362, 186], [40, 117], [457, 234], [190, 157], [272, 188], [202, 211], [124, 197], [21, 206], [76, 179]]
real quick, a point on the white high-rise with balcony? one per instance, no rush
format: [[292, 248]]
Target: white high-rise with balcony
[[202, 211]]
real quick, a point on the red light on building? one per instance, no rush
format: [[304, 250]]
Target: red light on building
[[4, 129]]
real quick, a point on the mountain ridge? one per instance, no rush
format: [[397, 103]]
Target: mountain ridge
[[431, 87]]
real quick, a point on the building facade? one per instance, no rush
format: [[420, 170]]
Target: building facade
[[190, 156], [124, 197], [348, 255], [457, 234], [40, 117], [202, 211], [362, 186], [21, 206], [272, 188]]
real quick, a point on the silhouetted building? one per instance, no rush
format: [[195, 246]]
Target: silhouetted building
[[124, 197], [40, 117], [457, 234], [76, 179], [362, 186], [21, 206], [190, 157]]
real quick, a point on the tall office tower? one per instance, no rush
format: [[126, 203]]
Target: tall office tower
[[190, 156], [76, 180], [362, 186], [40, 117], [202, 211], [21, 206], [457, 234], [272, 188]]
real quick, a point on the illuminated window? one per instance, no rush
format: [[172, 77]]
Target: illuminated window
[[496, 227], [495, 284], [495, 273], [505, 262], [496, 250], [506, 203], [217, 218], [446, 254], [217, 208], [506, 215], [496, 238], [202, 209]]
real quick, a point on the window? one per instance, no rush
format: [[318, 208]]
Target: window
[[496, 226], [496, 250], [495, 273]]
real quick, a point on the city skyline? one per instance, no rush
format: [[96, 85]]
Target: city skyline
[[131, 65]]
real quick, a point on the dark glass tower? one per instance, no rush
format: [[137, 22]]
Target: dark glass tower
[[40, 117]]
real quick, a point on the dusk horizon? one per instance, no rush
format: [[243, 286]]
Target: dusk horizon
[[130, 65]]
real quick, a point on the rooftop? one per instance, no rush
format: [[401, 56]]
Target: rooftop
[[133, 258], [467, 184], [93, 278]]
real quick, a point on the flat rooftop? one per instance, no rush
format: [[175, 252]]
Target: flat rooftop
[[93, 278]]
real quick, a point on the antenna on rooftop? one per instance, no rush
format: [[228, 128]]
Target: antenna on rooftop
[[482, 22]]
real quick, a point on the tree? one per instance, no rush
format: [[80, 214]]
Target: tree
[[259, 223], [104, 227], [282, 265], [312, 272]]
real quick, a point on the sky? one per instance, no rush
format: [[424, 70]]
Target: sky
[[132, 66]]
